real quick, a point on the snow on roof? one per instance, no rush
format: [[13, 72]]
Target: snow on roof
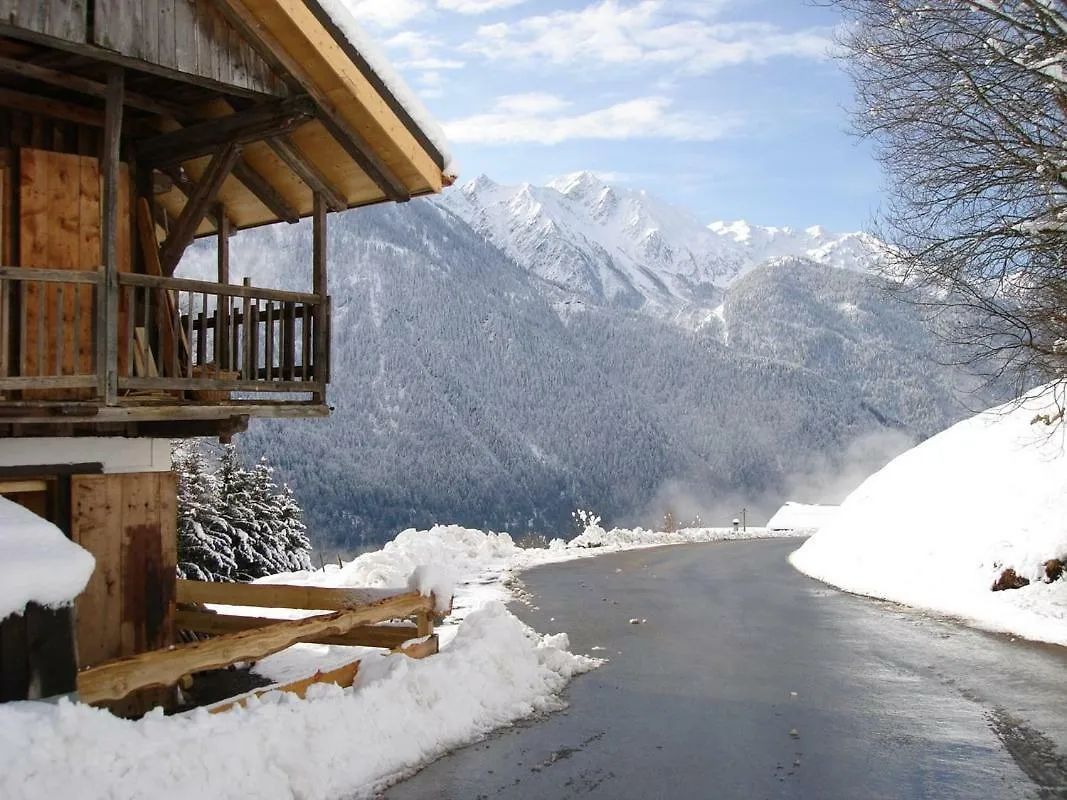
[[343, 15], [38, 564], [936, 526]]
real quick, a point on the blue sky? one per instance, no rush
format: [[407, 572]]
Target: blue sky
[[730, 108]]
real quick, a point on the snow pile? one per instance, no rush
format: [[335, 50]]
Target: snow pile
[[337, 743], [38, 564], [801, 517], [937, 526]]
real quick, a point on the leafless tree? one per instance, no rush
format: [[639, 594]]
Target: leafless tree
[[966, 102]]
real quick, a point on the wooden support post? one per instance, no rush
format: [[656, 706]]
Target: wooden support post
[[322, 342], [181, 236], [108, 296], [222, 331]]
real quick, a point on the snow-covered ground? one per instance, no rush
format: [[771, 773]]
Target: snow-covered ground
[[492, 671], [937, 526]]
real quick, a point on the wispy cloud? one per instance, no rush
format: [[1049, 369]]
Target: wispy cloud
[[613, 32], [386, 13], [477, 6], [541, 118]]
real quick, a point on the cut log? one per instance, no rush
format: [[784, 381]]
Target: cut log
[[342, 676], [309, 598], [388, 636]]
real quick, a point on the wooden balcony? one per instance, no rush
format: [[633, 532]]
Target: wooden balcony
[[152, 348]]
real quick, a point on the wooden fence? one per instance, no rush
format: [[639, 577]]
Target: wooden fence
[[354, 618]]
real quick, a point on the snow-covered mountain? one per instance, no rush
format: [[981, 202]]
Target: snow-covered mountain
[[623, 248], [855, 251], [503, 372]]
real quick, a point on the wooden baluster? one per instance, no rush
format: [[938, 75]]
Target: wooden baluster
[[305, 334], [189, 336], [269, 354], [41, 296], [248, 364], [201, 342], [5, 327], [61, 331], [129, 296]]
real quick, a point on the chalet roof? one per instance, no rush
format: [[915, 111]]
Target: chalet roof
[[358, 135], [319, 49]]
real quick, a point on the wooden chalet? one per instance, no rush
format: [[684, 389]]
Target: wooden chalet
[[128, 128]]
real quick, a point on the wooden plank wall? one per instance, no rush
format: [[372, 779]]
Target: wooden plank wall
[[129, 524], [59, 228], [63, 19], [190, 36]]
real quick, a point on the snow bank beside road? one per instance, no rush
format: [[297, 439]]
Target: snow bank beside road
[[336, 743], [937, 526]]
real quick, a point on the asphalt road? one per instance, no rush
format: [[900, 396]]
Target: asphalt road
[[749, 680]]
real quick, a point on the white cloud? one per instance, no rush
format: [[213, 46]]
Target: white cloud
[[612, 32], [420, 52], [386, 13], [539, 118], [476, 6]]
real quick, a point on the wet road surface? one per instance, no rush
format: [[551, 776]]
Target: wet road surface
[[749, 680]]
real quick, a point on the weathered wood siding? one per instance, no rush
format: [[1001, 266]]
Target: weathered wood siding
[[59, 228], [190, 36], [61, 19], [129, 523]]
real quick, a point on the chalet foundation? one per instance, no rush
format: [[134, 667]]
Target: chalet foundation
[[129, 128]]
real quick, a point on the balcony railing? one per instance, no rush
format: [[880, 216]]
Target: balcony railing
[[158, 340]]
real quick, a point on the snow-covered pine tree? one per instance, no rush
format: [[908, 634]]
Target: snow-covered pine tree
[[266, 527], [205, 550], [290, 518], [235, 504]]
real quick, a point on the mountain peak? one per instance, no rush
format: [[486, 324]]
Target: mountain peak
[[578, 184]]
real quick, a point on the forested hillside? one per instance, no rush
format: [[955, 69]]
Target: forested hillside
[[468, 389]]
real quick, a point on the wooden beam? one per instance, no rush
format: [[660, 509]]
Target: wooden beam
[[265, 193], [187, 186], [57, 109], [264, 42], [308, 173], [76, 83], [388, 636], [342, 676], [308, 598], [251, 125], [181, 236], [25, 485], [108, 355], [113, 680]]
